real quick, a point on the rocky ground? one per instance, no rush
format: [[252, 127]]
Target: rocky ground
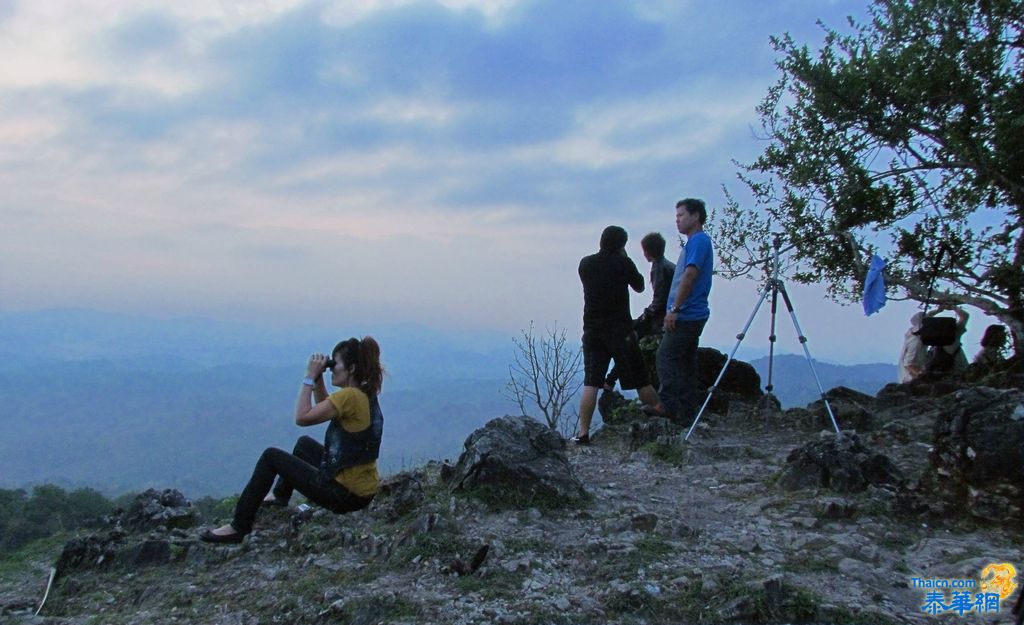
[[696, 532]]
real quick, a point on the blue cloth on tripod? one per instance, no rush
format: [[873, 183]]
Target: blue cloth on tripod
[[874, 286]]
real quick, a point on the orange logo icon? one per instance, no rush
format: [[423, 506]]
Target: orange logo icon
[[1000, 578]]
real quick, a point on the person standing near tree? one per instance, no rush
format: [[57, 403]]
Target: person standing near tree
[[950, 359], [687, 313], [914, 354], [608, 332]]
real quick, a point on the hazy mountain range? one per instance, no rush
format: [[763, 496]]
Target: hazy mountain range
[[794, 382], [121, 402]]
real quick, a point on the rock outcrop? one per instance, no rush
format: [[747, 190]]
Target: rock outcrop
[[399, 495], [740, 380], [852, 409], [977, 460], [673, 532], [839, 462], [155, 509], [517, 459], [140, 535]]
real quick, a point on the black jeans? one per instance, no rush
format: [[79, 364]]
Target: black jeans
[[299, 470], [677, 368]]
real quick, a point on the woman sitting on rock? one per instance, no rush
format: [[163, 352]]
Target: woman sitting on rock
[[340, 475]]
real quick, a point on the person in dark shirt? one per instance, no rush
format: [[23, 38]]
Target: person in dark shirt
[[650, 321], [608, 327]]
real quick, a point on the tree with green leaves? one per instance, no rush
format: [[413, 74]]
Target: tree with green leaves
[[904, 138], [49, 510]]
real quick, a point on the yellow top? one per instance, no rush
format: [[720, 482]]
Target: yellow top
[[353, 407]]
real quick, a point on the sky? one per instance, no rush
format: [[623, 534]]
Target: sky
[[439, 162]]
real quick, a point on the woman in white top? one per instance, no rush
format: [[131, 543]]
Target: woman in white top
[[914, 355]]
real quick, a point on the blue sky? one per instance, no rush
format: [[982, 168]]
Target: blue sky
[[381, 161]]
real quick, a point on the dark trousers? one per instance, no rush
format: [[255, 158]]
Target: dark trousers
[[299, 470], [677, 368], [644, 327]]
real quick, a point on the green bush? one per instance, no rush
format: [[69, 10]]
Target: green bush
[[211, 508], [49, 510]]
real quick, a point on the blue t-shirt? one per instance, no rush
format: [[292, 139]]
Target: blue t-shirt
[[696, 252]]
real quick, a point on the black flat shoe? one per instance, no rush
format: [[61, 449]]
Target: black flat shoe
[[226, 539], [275, 502]]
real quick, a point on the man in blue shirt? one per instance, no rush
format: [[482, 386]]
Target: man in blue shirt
[[687, 312]]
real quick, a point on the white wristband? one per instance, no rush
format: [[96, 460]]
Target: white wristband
[[308, 381]]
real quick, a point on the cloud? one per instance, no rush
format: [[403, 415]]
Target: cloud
[[206, 154], [452, 80], [534, 103], [144, 34], [7, 9]]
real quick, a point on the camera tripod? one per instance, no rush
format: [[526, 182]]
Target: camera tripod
[[775, 286]]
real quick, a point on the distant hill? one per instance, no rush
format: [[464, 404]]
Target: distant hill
[[132, 402], [117, 427], [794, 383]]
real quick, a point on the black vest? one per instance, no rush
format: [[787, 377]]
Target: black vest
[[344, 449]]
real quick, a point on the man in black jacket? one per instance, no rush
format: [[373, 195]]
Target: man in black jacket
[[608, 327]]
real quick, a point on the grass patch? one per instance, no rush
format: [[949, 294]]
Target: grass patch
[[213, 510], [773, 478], [552, 616], [387, 609], [665, 452], [496, 584], [734, 601], [38, 551], [898, 541], [638, 602], [521, 545], [798, 605], [506, 495], [626, 413], [649, 550], [812, 564], [653, 548], [439, 545], [677, 606]]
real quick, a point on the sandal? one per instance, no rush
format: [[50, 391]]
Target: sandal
[[580, 439]]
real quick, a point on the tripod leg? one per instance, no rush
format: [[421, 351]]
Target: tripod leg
[[807, 353], [771, 335], [739, 339]]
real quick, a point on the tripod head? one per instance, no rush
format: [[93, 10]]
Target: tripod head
[[774, 266]]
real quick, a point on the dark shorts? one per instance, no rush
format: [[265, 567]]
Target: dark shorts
[[603, 344]]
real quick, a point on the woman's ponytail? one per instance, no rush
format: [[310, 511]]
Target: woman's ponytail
[[369, 363]]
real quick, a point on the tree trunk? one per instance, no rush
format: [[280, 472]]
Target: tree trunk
[[1016, 326]]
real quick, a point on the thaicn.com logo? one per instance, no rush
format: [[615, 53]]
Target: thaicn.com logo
[[984, 595]]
